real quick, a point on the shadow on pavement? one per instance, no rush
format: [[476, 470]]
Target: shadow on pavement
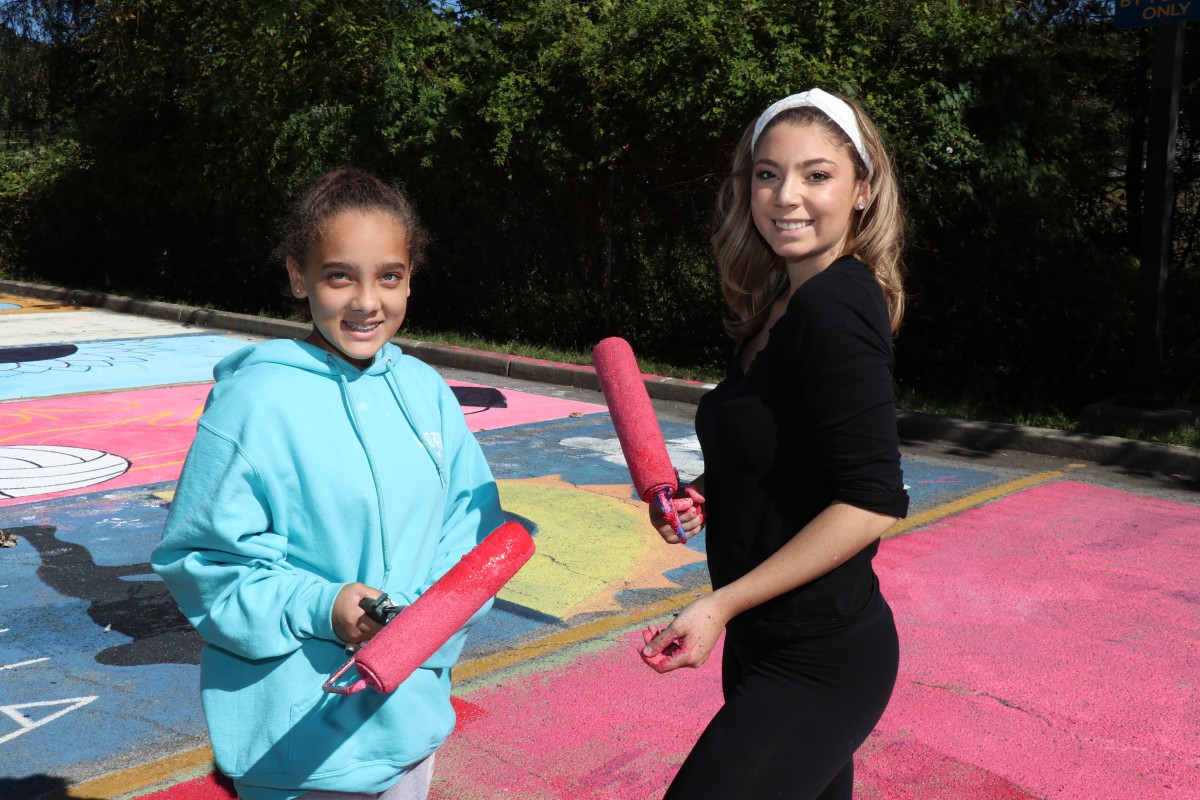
[[34, 787]]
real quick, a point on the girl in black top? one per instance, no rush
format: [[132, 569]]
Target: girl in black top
[[802, 462]]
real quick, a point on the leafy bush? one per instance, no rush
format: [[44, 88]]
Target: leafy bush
[[29, 176], [566, 156]]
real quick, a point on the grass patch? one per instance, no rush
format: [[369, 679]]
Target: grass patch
[[1054, 419], [559, 355]]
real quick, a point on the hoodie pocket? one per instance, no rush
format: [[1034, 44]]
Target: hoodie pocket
[[320, 722]]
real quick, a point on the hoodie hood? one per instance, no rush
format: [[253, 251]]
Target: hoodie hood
[[305, 356], [267, 363], [298, 354]]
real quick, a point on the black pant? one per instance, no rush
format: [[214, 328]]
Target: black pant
[[794, 714]]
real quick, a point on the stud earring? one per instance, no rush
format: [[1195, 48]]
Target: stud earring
[[861, 205]]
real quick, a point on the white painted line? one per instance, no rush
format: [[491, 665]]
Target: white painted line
[[27, 724], [23, 663]]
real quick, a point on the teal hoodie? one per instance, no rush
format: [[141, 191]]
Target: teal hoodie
[[307, 474]]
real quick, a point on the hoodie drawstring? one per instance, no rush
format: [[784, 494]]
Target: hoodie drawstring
[[402, 401], [387, 556]]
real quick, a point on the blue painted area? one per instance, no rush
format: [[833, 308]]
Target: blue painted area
[[504, 624], [118, 528], [137, 705], [531, 451], [930, 484], [106, 366]]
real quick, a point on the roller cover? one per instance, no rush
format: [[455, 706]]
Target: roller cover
[[633, 417], [420, 629]]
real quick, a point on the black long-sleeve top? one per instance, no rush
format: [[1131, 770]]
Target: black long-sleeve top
[[811, 422]]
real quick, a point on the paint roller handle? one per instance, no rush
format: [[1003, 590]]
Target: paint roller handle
[[667, 509], [381, 609], [331, 685], [414, 634]]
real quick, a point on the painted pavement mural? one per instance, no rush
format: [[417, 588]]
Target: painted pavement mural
[[88, 459], [93, 433]]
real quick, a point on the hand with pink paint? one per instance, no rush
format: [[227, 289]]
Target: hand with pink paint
[[688, 640], [690, 512], [351, 624]]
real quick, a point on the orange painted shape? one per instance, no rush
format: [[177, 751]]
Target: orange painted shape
[[150, 428]]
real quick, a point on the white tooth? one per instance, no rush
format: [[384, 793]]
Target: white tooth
[[791, 226]]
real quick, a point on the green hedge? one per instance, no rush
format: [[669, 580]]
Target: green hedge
[[566, 156]]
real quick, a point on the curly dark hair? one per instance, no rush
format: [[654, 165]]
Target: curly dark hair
[[340, 190]]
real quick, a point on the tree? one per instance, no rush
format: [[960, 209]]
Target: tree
[[566, 155]]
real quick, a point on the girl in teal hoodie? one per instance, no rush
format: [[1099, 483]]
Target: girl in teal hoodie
[[324, 472]]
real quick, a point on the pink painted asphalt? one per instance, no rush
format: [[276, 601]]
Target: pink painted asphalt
[[601, 727], [524, 408], [1051, 641], [1051, 649], [153, 428]]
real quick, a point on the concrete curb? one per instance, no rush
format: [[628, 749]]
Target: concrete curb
[[186, 315], [1112, 451], [441, 355], [985, 436]]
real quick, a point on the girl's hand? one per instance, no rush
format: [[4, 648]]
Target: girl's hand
[[688, 640], [691, 516], [350, 622]]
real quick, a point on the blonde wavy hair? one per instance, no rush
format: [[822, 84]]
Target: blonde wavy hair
[[752, 275]]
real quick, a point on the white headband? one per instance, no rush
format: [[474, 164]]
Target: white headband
[[836, 109]]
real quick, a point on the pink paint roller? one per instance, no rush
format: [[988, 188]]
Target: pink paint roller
[[654, 478], [417, 632]]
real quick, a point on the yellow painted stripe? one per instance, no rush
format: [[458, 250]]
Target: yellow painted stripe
[[581, 633], [156, 465], [160, 772], [137, 778], [972, 500]]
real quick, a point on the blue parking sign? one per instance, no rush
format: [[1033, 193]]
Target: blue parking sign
[[1142, 13]]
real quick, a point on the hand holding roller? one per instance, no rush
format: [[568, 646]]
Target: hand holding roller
[[418, 631], [654, 478]]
